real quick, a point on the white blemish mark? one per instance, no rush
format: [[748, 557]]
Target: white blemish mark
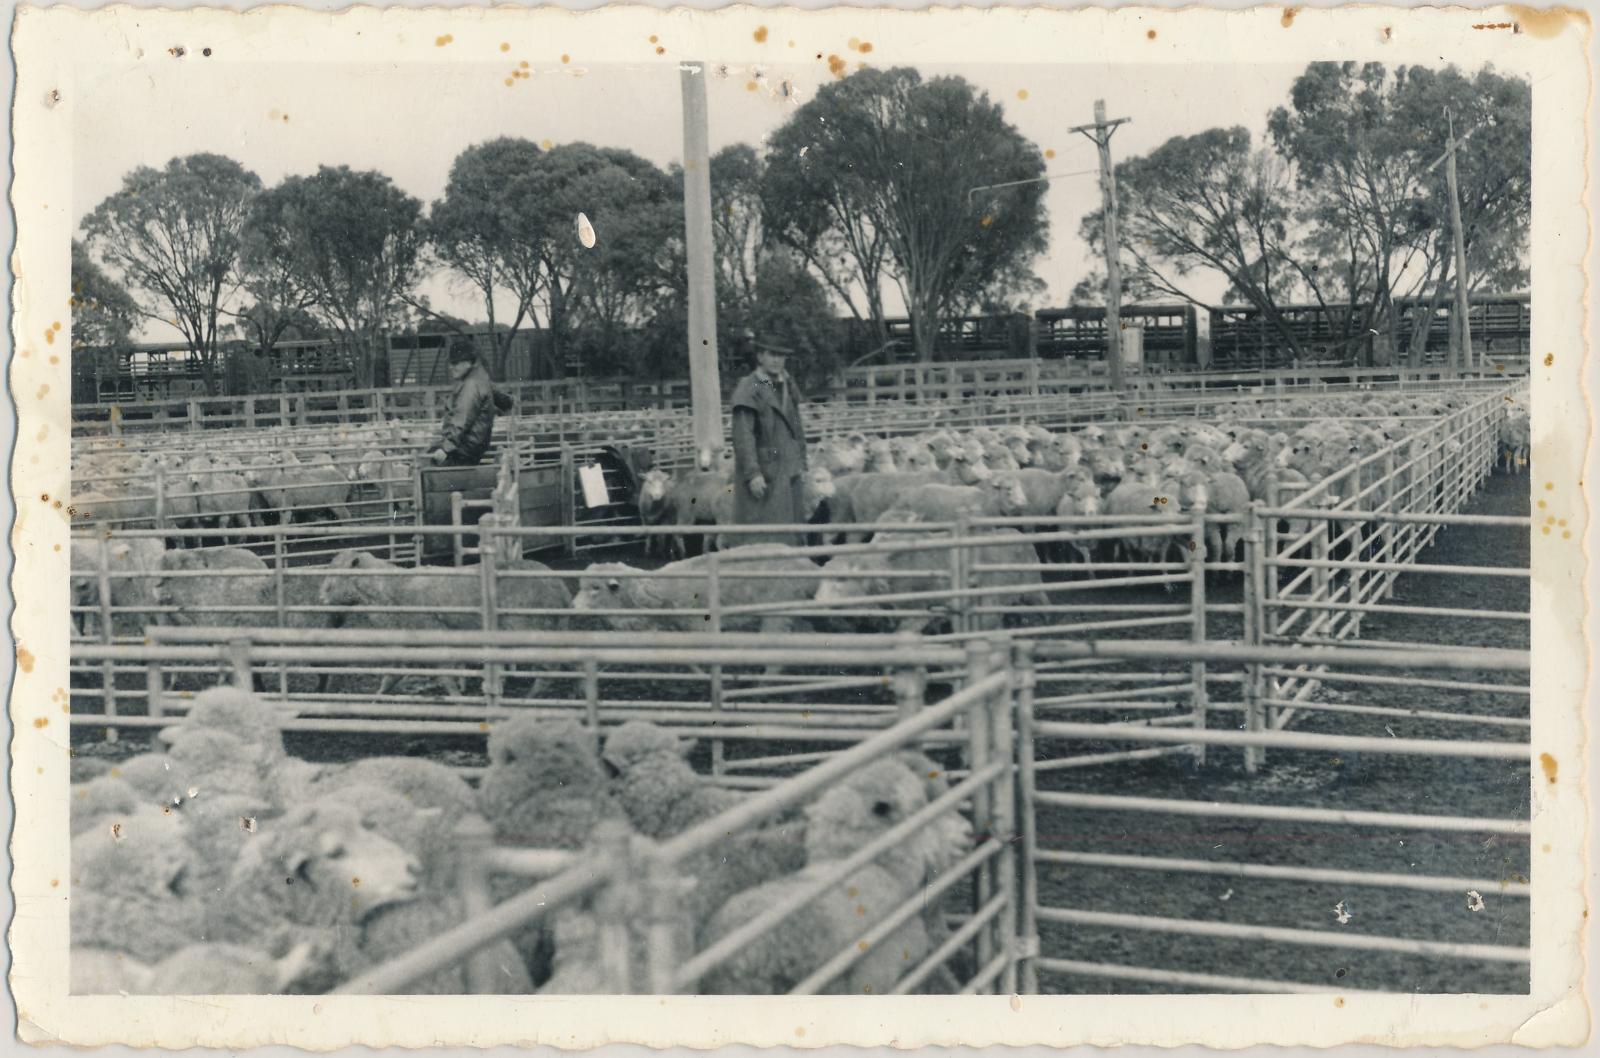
[[1389, 729], [193, 792], [1474, 900], [1016, 1002], [1226, 896], [1341, 913], [585, 231]]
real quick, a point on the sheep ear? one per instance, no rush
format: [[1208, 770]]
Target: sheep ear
[[686, 746], [170, 735]]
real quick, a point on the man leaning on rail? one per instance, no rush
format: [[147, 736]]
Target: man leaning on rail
[[469, 422], [769, 446]]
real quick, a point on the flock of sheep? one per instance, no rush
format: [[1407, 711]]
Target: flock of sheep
[[1175, 468], [224, 865]]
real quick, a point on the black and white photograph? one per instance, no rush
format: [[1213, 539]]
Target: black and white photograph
[[753, 509]]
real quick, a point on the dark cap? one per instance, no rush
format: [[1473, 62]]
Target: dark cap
[[462, 350], [765, 343]]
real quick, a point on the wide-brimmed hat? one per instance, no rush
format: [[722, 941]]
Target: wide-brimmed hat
[[767, 343], [462, 350]]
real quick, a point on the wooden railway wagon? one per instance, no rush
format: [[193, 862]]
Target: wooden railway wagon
[[1241, 338], [1078, 332]]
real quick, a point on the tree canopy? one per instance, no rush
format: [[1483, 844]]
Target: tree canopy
[[173, 235]]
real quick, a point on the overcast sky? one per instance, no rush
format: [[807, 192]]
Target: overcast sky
[[411, 120]]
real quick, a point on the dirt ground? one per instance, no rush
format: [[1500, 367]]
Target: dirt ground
[[1389, 783]]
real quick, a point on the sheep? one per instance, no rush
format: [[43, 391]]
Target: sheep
[[860, 498], [1079, 498], [102, 972], [315, 874], [211, 760], [869, 803], [200, 595], [862, 574], [223, 496], [134, 596], [428, 835], [423, 783], [302, 488], [544, 788], [700, 497], [230, 970], [1000, 496], [654, 508], [104, 795], [217, 827], [127, 876], [449, 599], [620, 587], [661, 794], [1228, 494]]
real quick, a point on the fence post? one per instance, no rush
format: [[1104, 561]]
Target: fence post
[[1197, 630], [455, 523], [155, 689], [714, 619], [959, 560], [279, 563], [1254, 756], [1000, 714], [108, 669], [612, 907], [474, 839], [161, 498], [910, 683], [569, 497], [978, 753], [489, 574], [663, 893], [591, 698], [237, 654], [1028, 900]]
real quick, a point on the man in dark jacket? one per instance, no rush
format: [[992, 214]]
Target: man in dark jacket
[[469, 421], [769, 447]]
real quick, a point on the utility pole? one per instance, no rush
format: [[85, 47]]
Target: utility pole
[[704, 385], [1100, 132], [1463, 308]]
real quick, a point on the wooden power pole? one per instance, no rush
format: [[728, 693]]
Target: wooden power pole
[[1100, 132], [704, 385], [1463, 307]]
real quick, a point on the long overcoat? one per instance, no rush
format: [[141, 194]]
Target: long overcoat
[[769, 439]]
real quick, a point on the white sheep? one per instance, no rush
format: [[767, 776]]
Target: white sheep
[[869, 803]]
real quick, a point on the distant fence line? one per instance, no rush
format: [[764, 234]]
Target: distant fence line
[[931, 383]]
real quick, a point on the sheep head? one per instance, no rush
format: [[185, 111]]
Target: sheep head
[[332, 867], [639, 740]]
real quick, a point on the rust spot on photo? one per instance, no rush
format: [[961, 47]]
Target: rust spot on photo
[[1288, 17], [443, 39], [24, 658], [1550, 765], [1546, 24], [760, 34], [1549, 359], [41, 721], [1149, 34]]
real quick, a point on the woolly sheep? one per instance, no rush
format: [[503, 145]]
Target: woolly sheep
[[104, 795], [199, 597], [616, 586], [699, 497], [231, 970], [450, 600], [862, 574], [316, 874], [133, 598], [544, 787], [661, 794], [868, 804], [421, 782], [102, 972], [428, 835], [127, 873]]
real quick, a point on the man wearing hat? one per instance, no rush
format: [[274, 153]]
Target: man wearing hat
[[469, 423], [769, 445]]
